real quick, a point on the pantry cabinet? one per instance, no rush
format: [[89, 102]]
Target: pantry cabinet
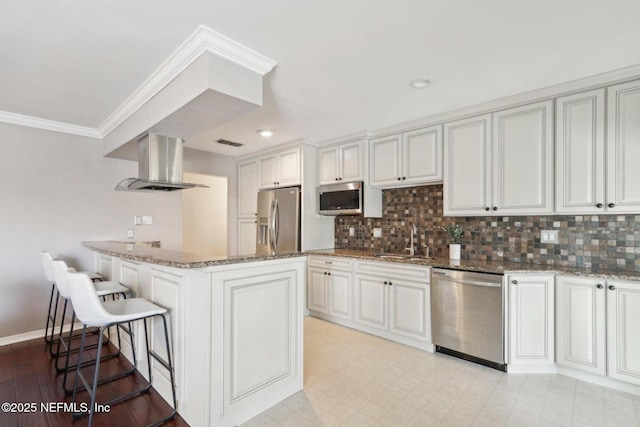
[[409, 158], [500, 164], [342, 163]]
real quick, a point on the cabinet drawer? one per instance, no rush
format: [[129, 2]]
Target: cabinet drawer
[[395, 270], [330, 262]]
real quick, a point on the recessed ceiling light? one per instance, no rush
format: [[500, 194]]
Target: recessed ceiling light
[[420, 83], [265, 133]]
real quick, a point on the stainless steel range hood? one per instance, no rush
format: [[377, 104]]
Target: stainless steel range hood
[[159, 165]]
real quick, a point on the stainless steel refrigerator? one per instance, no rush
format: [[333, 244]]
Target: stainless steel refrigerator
[[278, 221]]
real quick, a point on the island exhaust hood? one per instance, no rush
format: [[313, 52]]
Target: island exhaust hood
[[159, 165]]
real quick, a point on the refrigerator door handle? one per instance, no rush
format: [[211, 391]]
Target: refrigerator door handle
[[276, 222], [272, 227]]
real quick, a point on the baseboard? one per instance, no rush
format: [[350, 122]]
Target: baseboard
[[26, 336], [599, 380]]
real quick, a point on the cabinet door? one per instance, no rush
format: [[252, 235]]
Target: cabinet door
[[580, 327], [531, 314], [339, 285], [317, 298], [580, 153], [247, 191], [247, 234], [384, 161], [623, 148], [467, 166], [422, 155], [623, 339], [351, 162], [288, 172], [267, 171], [328, 167], [371, 302], [410, 309], [523, 160]]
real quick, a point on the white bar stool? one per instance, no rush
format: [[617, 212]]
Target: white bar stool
[[94, 313], [46, 259], [102, 289]]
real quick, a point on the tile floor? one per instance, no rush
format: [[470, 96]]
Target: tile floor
[[355, 379]]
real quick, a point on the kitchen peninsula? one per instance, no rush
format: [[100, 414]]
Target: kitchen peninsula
[[236, 326]]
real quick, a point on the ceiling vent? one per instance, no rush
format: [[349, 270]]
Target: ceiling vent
[[231, 143]]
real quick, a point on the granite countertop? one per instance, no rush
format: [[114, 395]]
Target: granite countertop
[[155, 255], [505, 267]]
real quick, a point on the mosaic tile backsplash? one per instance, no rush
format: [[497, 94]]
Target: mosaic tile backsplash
[[599, 242]]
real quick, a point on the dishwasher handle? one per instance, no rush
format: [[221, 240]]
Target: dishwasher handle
[[441, 276]]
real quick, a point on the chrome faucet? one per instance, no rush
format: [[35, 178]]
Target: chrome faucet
[[412, 233]]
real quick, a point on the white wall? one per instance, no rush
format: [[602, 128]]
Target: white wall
[[204, 215], [57, 190]]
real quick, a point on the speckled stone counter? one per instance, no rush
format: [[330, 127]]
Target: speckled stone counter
[[170, 258], [483, 266]]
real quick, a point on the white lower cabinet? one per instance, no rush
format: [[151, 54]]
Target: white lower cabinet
[[391, 300], [530, 322], [597, 327]]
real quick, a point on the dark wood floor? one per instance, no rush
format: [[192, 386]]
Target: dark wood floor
[[28, 375]]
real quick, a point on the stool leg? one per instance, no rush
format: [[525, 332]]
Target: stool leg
[[78, 373], [49, 318], [95, 377], [64, 312], [171, 374]]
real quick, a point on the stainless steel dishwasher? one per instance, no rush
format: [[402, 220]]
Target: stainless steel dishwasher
[[467, 312]]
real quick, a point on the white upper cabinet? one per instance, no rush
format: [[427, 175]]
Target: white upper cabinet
[[467, 166], [280, 169], [342, 163], [509, 173], [623, 148], [580, 156], [247, 189], [409, 158]]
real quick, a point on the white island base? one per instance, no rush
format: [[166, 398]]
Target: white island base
[[237, 333]]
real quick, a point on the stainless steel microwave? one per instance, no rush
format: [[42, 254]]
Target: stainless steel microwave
[[341, 199]]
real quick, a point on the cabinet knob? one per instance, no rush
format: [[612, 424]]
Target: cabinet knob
[[386, 283], [399, 178], [404, 177], [487, 209], [255, 214], [495, 208], [336, 179], [325, 273], [255, 222], [598, 205], [599, 286], [390, 284], [612, 205], [329, 273], [339, 179], [612, 288], [515, 282]]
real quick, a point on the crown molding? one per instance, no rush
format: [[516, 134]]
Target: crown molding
[[38, 123], [203, 39]]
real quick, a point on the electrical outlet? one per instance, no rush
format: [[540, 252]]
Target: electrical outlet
[[130, 233], [549, 236], [377, 232], [352, 231], [147, 219]]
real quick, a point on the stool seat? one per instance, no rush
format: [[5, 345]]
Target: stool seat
[[128, 310], [93, 275], [109, 287]]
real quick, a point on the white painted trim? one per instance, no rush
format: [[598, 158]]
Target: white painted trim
[[599, 380], [13, 339], [38, 123], [203, 39]]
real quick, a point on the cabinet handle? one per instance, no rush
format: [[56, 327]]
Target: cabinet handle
[[598, 205], [599, 286], [612, 205], [612, 288], [487, 209], [515, 282], [386, 283], [328, 262], [495, 208]]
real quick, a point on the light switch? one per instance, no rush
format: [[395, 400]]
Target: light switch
[[147, 219], [137, 220]]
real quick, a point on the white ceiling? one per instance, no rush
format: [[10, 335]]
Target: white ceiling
[[343, 66]]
